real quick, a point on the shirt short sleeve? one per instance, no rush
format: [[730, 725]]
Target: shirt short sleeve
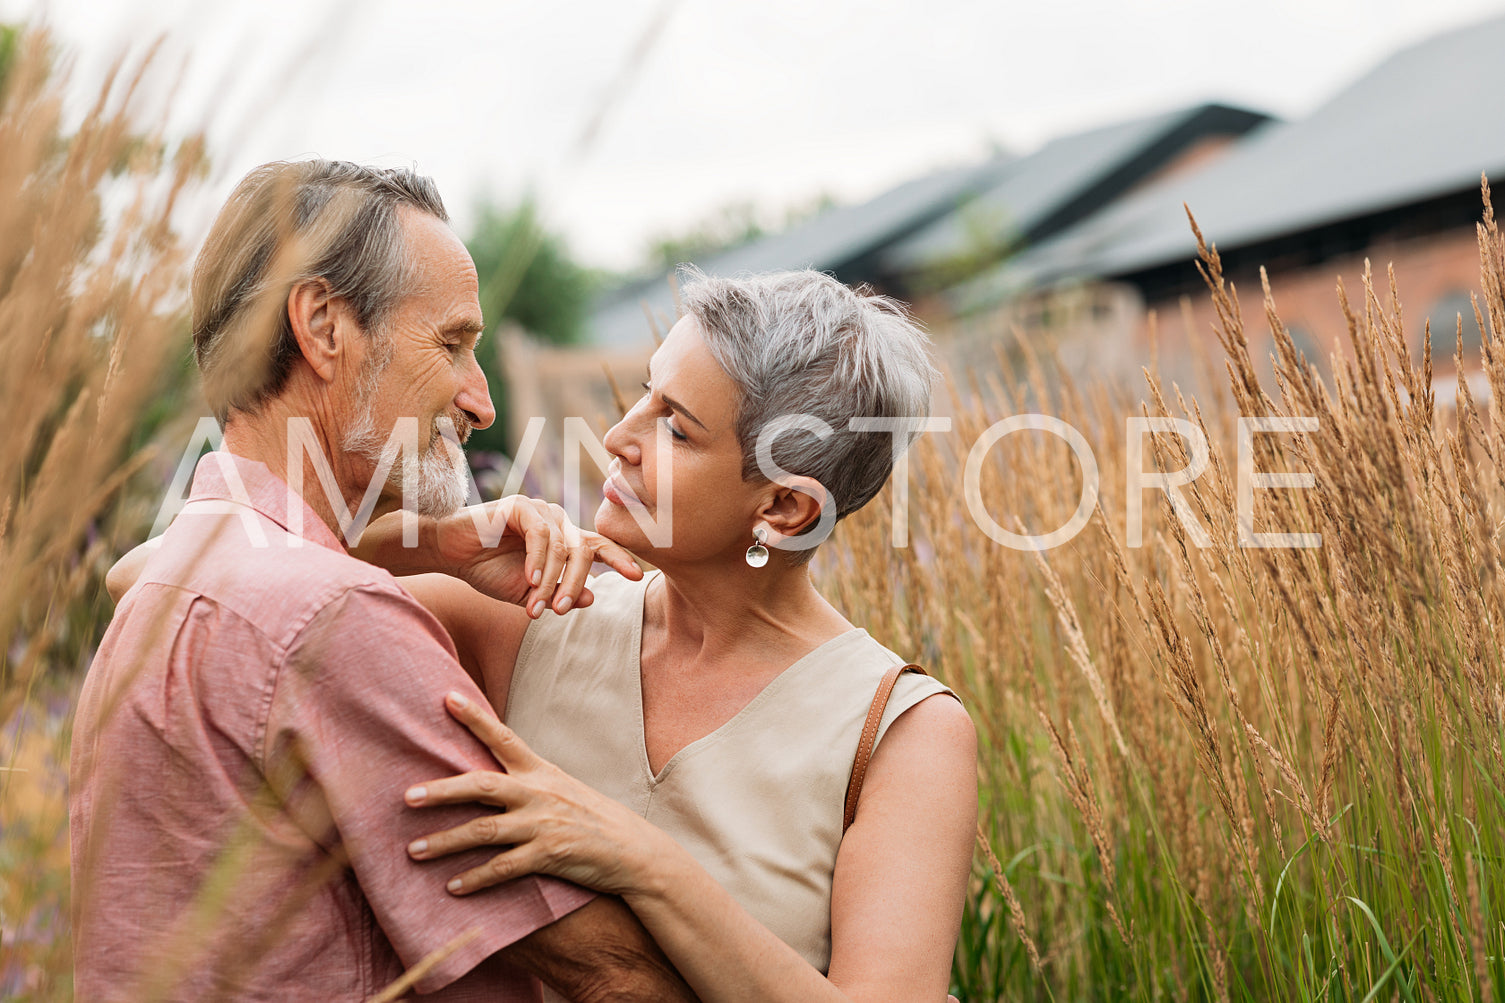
[[356, 717]]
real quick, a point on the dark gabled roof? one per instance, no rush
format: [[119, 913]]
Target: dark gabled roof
[[831, 241], [1421, 125], [1064, 181]]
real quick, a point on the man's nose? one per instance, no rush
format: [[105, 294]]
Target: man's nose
[[474, 398]]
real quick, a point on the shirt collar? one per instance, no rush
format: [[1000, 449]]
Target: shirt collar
[[224, 476]]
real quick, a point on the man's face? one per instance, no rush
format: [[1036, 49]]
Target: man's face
[[422, 366]]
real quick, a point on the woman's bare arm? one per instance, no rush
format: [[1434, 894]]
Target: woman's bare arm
[[124, 572], [896, 901], [488, 633], [517, 549], [902, 871], [477, 587], [489, 590], [899, 884]]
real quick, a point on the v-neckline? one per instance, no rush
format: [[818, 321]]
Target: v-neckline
[[710, 737]]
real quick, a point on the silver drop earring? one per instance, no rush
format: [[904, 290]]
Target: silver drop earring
[[757, 554]]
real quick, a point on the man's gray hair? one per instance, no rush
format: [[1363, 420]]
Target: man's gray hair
[[801, 343], [284, 223]]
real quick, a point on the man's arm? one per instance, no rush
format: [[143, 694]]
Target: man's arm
[[353, 704], [487, 632], [599, 952]]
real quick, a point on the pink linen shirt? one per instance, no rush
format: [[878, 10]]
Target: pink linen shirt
[[243, 740]]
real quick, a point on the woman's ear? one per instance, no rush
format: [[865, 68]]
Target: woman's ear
[[319, 321], [792, 508]]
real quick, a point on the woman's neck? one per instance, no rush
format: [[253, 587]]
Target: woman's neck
[[742, 615]]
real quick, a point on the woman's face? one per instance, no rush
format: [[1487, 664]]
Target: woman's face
[[683, 430]]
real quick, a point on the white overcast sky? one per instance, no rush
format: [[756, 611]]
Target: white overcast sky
[[768, 100]]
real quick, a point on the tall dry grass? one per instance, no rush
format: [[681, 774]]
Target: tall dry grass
[[92, 284], [1224, 772]]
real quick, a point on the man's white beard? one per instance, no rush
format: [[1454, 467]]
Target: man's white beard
[[439, 483], [435, 486]]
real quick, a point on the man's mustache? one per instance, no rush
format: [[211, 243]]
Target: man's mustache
[[460, 423]]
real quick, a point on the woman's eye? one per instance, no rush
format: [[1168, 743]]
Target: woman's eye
[[648, 392]]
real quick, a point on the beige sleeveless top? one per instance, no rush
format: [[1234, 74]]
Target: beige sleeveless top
[[758, 802]]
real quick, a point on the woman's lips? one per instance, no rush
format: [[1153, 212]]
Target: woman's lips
[[619, 494]]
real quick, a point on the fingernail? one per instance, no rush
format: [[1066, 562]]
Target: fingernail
[[537, 577], [455, 885], [537, 609], [417, 846], [458, 699], [415, 795], [564, 604]]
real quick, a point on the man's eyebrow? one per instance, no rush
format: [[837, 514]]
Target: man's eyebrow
[[463, 327]]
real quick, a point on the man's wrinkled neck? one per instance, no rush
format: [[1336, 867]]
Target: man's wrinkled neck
[[291, 439]]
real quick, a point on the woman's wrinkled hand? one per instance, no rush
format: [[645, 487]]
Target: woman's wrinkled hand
[[539, 559], [551, 823]]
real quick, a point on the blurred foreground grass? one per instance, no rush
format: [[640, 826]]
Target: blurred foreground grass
[[34, 852], [92, 280]]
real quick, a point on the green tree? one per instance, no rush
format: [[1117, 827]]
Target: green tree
[[732, 225], [8, 35], [528, 278]]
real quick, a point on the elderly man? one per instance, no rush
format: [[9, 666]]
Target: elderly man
[[262, 698]]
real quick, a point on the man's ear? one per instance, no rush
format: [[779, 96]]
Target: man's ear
[[792, 506], [320, 322]]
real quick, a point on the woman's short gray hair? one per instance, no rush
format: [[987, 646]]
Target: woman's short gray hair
[[801, 343]]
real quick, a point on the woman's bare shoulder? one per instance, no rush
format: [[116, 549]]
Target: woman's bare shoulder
[[938, 724]]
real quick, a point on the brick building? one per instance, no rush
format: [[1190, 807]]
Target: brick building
[[919, 240], [1076, 245], [1386, 170]]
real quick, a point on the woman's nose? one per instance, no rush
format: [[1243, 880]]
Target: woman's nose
[[622, 441]]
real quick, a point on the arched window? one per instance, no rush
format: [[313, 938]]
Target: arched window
[[1444, 315], [1307, 344]]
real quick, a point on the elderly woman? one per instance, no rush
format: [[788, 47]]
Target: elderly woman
[[702, 722]]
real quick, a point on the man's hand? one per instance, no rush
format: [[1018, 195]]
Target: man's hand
[[600, 952], [540, 557]]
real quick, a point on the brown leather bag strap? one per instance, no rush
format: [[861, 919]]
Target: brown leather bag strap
[[869, 737]]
